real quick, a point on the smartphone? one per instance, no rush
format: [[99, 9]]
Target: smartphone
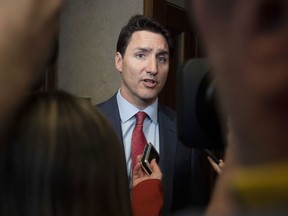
[[209, 153], [150, 153]]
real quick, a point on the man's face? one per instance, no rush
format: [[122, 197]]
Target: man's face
[[144, 68]]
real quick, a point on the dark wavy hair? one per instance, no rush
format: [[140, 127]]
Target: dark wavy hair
[[139, 23], [62, 158]]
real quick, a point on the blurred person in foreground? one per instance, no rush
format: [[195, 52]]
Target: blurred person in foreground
[[246, 41], [58, 160], [28, 32]]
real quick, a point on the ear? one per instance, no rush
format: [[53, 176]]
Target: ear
[[118, 61]]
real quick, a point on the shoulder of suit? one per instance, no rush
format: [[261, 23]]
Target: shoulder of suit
[[171, 114], [108, 102]]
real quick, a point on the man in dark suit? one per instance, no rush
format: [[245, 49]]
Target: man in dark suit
[[143, 50]]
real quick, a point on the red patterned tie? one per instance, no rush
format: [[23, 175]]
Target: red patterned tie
[[138, 138]]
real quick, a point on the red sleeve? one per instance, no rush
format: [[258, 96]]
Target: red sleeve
[[147, 198]]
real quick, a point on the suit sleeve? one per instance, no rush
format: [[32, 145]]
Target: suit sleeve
[[147, 198]]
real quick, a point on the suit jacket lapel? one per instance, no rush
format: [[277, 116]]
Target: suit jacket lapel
[[115, 117]]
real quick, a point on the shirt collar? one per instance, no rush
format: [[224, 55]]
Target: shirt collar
[[128, 110]]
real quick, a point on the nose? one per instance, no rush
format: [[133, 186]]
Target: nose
[[152, 66]]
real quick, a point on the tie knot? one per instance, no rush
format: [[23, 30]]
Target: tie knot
[[140, 117]]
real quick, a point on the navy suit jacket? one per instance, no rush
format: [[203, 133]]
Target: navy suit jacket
[[180, 165]]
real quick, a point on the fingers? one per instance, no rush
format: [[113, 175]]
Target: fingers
[[215, 166], [138, 174], [221, 164], [138, 171], [154, 166], [138, 167], [138, 158], [156, 171]]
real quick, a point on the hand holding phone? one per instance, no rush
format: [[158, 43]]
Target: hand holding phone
[[147, 168], [149, 153], [217, 164], [212, 156]]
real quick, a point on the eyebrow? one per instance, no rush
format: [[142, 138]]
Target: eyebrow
[[147, 50], [163, 52]]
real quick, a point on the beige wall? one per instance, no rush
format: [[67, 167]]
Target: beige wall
[[88, 33]]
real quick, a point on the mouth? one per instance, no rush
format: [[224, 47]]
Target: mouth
[[150, 83]]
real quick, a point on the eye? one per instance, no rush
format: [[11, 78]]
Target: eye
[[140, 55], [162, 59]]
